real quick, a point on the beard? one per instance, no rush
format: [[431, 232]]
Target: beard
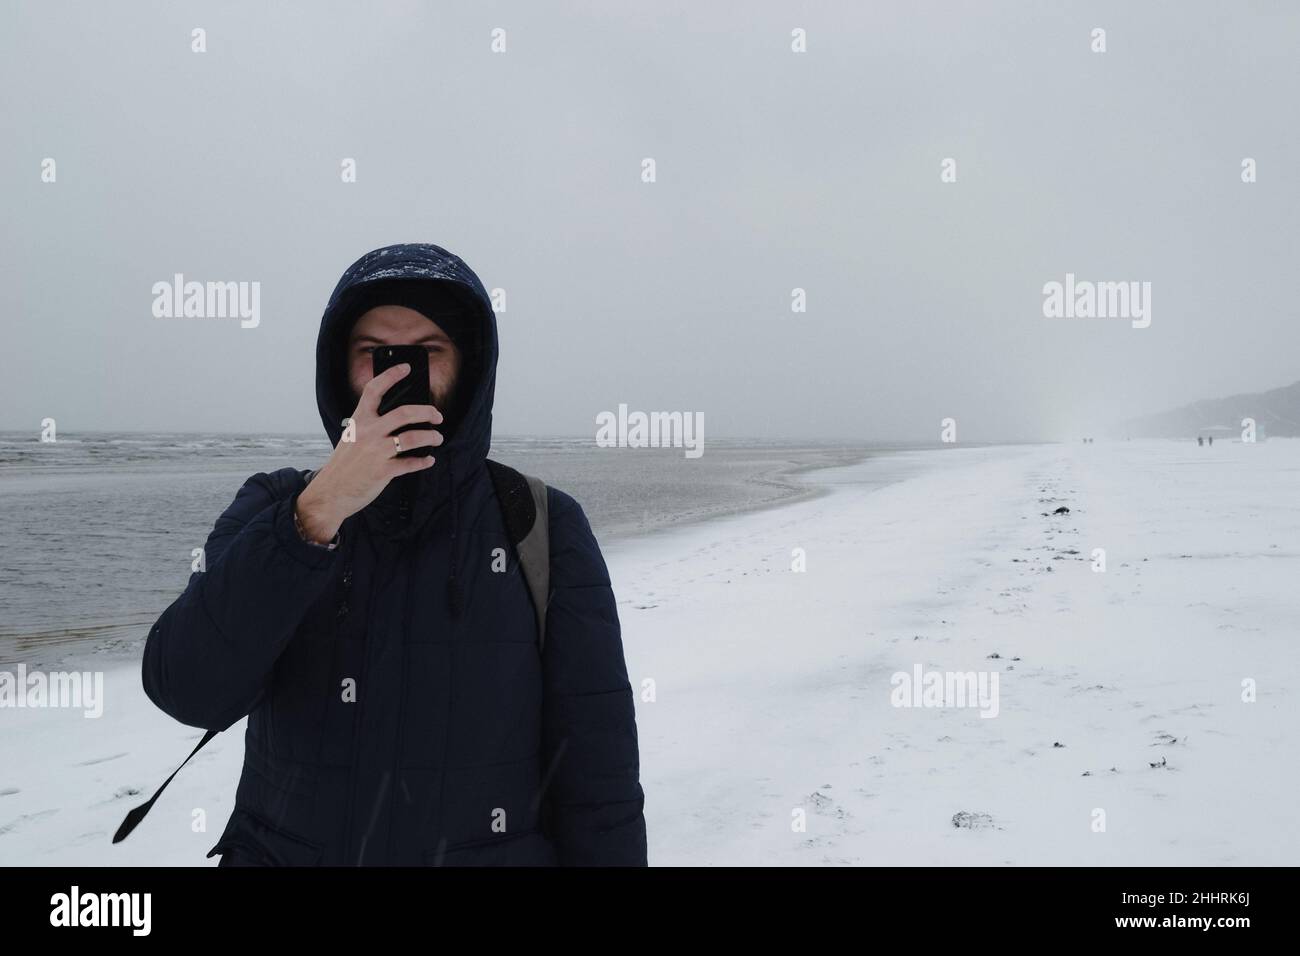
[[444, 396]]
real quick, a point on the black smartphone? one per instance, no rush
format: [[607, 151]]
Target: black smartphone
[[411, 389]]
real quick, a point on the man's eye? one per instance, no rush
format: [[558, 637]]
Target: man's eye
[[433, 348]]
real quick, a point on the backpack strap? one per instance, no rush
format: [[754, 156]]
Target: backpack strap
[[525, 513], [535, 557], [137, 814]]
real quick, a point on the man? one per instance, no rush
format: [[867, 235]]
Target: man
[[375, 627]]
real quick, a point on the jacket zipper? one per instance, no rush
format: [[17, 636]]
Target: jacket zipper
[[357, 723], [408, 549]]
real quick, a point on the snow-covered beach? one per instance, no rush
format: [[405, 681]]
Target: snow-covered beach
[[1120, 736]]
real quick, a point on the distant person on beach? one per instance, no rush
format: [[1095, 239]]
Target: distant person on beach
[[374, 622], [1211, 441], [1200, 440]]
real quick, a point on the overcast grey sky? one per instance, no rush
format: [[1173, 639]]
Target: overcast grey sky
[[775, 170]]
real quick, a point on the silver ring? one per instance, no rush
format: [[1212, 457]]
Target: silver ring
[[397, 442]]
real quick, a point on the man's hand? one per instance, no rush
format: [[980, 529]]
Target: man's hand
[[359, 470]]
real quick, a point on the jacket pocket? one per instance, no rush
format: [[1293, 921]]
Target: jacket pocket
[[530, 848], [260, 843]]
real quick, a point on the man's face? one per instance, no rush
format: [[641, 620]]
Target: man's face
[[398, 325]]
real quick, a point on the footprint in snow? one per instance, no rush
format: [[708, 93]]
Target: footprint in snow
[[95, 760]]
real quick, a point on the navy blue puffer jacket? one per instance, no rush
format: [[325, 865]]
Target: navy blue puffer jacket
[[399, 709]]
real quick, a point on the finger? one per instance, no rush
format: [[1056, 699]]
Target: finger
[[404, 415], [418, 440], [404, 466], [375, 388], [414, 442]]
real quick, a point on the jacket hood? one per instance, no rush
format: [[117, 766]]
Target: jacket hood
[[420, 261], [406, 500]]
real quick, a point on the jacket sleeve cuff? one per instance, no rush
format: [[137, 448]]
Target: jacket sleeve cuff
[[312, 555]]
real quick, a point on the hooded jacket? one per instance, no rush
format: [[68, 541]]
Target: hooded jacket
[[399, 709]]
